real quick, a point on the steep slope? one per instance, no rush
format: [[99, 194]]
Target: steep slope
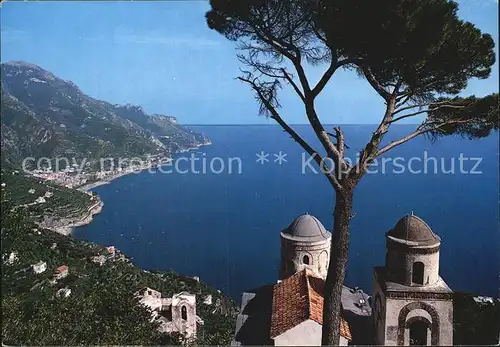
[[168, 131], [101, 309], [49, 205], [46, 116]]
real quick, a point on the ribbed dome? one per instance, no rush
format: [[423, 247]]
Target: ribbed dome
[[414, 229], [306, 227]]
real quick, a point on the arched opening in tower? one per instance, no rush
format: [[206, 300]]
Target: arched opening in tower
[[184, 314], [305, 260], [418, 273], [418, 333]]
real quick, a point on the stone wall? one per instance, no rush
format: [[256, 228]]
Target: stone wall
[[438, 313], [378, 312], [400, 264], [293, 253]]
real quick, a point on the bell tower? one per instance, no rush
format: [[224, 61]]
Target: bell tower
[[305, 244], [412, 304]]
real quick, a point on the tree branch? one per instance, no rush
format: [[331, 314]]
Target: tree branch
[[340, 140], [445, 103], [311, 113], [328, 74], [335, 137], [374, 83], [416, 133], [324, 79], [313, 153], [370, 150], [309, 97], [287, 76], [423, 111]]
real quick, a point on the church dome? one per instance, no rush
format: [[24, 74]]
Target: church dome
[[306, 228], [412, 229]]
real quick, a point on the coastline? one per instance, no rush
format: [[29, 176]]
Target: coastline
[[87, 187], [67, 226]]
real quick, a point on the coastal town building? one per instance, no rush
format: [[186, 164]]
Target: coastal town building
[[111, 250], [61, 272], [63, 293], [175, 314], [12, 258], [99, 259], [208, 300], [40, 200], [39, 267], [411, 303], [486, 300]]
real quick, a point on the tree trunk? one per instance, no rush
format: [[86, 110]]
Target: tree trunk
[[336, 269]]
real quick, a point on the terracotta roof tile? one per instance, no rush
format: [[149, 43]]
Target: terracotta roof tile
[[62, 268], [297, 299]]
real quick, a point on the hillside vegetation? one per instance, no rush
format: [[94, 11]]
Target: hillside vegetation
[[101, 308], [60, 206]]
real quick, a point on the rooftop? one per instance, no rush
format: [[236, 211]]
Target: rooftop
[[62, 268], [412, 230], [306, 228], [299, 298]]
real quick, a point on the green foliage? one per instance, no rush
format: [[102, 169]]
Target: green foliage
[[473, 117], [64, 203], [473, 323], [101, 309], [415, 51], [419, 43]]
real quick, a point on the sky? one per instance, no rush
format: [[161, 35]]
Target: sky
[[161, 55]]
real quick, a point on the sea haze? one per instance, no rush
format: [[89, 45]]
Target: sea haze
[[225, 227]]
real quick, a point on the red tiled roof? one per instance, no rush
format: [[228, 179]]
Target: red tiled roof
[[297, 299], [62, 268]]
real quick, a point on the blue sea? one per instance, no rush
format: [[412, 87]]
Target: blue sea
[[221, 220]]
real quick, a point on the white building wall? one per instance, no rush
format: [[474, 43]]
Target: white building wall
[[307, 333]]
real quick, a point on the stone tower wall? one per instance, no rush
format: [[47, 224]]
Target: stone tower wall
[[400, 262], [378, 313], [399, 312], [293, 252], [188, 325]]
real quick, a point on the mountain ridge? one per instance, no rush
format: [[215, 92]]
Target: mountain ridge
[[44, 115]]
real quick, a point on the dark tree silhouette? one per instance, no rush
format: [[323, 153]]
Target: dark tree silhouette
[[416, 54]]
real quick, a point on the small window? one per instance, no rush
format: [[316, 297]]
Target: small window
[[184, 314], [305, 260], [418, 273]]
